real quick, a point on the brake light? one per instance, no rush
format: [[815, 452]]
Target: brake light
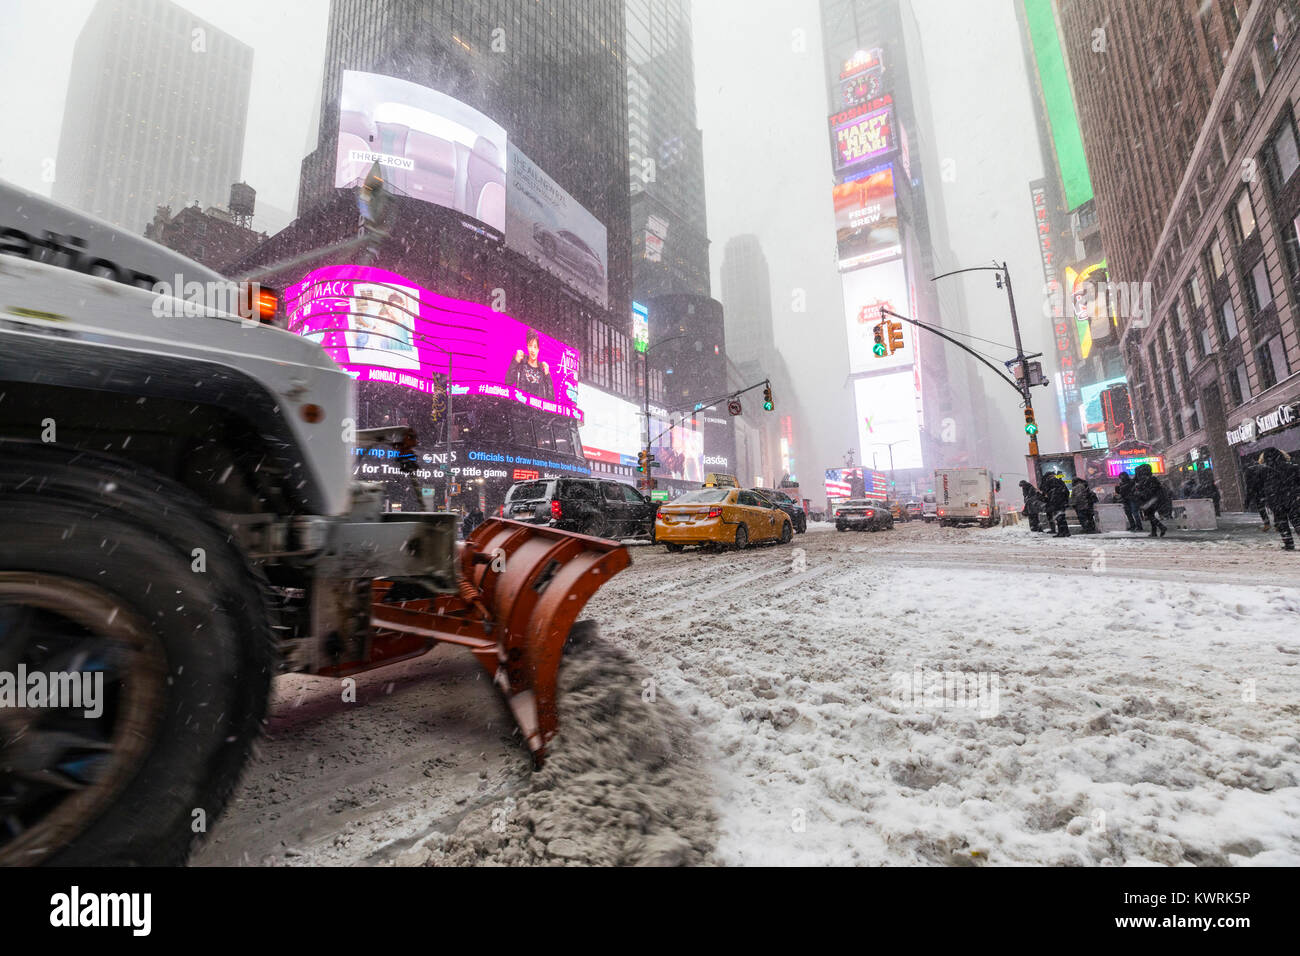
[[984, 512], [715, 513], [942, 512], [258, 302], [501, 511], [557, 510]]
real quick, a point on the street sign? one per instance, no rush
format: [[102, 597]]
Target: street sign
[[659, 494], [733, 407]]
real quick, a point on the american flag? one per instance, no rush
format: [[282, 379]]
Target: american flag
[[837, 484]]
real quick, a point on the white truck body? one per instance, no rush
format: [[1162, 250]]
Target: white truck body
[[966, 496]]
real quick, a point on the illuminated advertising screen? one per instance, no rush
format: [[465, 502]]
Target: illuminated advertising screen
[[866, 291], [382, 327], [887, 414], [429, 146], [866, 218], [861, 78], [640, 326], [548, 226], [862, 136], [611, 427], [680, 452]]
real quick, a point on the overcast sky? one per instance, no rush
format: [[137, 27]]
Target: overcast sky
[[762, 107]]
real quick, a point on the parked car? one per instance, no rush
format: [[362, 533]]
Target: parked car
[[779, 499], [862, 514], [725, 517], [594, 506], [914, 508], [564, 248]]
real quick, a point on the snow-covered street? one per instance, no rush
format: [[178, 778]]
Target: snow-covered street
[[1130, 702]]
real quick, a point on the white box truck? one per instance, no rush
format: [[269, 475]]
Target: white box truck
[[967, 496]]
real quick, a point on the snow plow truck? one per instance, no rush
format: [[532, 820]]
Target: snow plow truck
[[179, 523]]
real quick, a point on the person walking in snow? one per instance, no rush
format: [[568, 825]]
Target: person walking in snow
[[1033, 504], [1058, 499], [1256, 474], [1126, 490], [1281, 491], [1152, 497], [1084, 500]]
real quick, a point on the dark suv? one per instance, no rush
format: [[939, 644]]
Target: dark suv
[[784, 502], [605, 509]]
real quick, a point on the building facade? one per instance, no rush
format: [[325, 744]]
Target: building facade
[[1199, 217], [155, 113], [670, 246]]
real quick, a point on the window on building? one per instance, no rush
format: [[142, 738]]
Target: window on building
[[1227, 322], [1270, 363], [1245, 216], [1217, 268], [1207, 347], [1194, 291], [1284, 153], [1261, 292], [1239, 384]]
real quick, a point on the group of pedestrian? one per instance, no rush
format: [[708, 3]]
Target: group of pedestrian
[[1143, 495], [1273, 484], [1053, 500], [1203, 486]]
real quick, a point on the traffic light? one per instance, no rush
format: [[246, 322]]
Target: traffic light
[[895, 336], [1031, 426], [645, 461], [880, 348], [767, 398]]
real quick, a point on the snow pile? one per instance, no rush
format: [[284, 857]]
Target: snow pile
[[624, 783], [1136, 721]]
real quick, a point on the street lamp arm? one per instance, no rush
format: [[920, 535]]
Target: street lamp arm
[[960, 345], [971, 269]]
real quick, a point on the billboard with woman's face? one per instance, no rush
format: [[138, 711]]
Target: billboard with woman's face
[[382, 327]]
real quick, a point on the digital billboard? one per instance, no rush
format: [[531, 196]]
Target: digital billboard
[[861, 78], [866, 291], [887, 415], [382, 327], [680, 452], [547, 225], [430, 146], [866, 218], [862, 134], [611, 427]]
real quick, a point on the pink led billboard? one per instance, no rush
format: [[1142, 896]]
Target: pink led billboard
[[382, 327]]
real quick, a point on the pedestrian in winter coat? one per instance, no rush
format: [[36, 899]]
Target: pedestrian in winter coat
[[1189, 489], [1127, 492], [1033, 504], [1255, 476], [1058, 499], [472, 521], [1084, 500], [1281, 491], [1152, 497], [1208, 488]]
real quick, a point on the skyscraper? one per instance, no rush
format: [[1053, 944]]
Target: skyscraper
[[747, 298], [155, 114], [1199, 214], [551, 73], [670, 246]]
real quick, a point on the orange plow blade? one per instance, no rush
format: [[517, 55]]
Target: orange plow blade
[[522, 587]]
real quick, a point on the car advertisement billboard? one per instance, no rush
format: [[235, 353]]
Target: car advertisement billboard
[[866, 291], [546, 224], [887, 415], [382, 327], [866, 218], [862, 134], [429, 145]]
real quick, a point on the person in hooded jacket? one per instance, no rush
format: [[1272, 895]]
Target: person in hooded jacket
[[1152, 497], [1281, 491], [1033, 504], [1127, 492], [1084, 500], [1255, 475], [1058, 499]]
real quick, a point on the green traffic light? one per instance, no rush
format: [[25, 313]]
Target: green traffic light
[[1031, 428], [767, 406], [879, 349]]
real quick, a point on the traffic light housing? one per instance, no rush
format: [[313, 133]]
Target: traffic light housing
[[895, 336], [645, 461], [767, 398], [880, 348], [1031, 426]]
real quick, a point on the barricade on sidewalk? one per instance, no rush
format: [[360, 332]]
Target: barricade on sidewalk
[[1194, 514]]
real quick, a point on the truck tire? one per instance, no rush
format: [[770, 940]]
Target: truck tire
[[105, 568]]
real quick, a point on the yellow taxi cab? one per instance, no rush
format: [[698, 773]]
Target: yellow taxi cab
[[720, 516]]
